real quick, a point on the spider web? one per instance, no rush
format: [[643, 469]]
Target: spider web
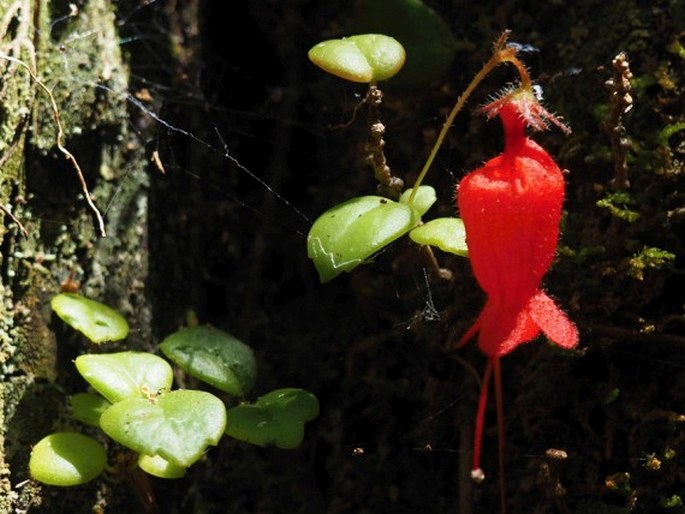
[[244, 156]]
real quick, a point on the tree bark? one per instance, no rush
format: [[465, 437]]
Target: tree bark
[[52, 238]]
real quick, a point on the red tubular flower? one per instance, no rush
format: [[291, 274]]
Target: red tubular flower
[[511, 209]]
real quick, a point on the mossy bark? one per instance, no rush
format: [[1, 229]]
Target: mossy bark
[[52, 238]]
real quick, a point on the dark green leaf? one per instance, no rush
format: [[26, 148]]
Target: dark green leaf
[[276, 419], [213, 356], [88, 407], [426, 37]]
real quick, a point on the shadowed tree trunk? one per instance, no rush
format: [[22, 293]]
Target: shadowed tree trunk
[[52, 237]]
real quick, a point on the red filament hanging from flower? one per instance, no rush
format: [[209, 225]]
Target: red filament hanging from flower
[[511, 208]]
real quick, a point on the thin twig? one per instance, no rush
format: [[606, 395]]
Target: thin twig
[[625, 334], [60, 145], [15, 220]]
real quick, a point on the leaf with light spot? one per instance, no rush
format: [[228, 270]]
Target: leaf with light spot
[[121, 375]]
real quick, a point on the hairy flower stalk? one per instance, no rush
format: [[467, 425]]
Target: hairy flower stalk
[[511, 208]]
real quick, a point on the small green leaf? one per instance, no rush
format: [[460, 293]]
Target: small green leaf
[[277, 418], [448, 234], [384, 54], [66, 459], [362, 58], [95, 320], [343, 59], [122, 375], [213, 356], [160, 467], [178, 426], [88, 407], [426, 37], [349, 233], [424, 199], [298, 403]]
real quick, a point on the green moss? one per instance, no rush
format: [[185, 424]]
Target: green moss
[[618, 204], [649, 258], [673, 502], [82, 67]]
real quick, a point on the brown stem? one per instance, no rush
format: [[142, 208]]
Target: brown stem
[[626, 334], [387, 184], [434, 266], [621, 102]]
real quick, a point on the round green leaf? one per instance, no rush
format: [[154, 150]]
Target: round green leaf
[[427, 38], [276, 419], [343, 59], [448, 234], [160, 467], [213, 356], [258, 426], [66, 459], [384, 54], [178, 426], [95, 320], [88, 407], [118, 376], [424, 199], [362, 58], [349, 233]]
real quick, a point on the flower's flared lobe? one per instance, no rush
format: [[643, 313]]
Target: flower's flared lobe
[[511, 208]]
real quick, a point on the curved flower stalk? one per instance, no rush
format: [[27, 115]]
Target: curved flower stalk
[[511, 208]]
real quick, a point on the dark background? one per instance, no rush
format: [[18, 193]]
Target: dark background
[[251, 158]]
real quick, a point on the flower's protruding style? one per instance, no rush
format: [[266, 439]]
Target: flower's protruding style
[[511, 208]]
